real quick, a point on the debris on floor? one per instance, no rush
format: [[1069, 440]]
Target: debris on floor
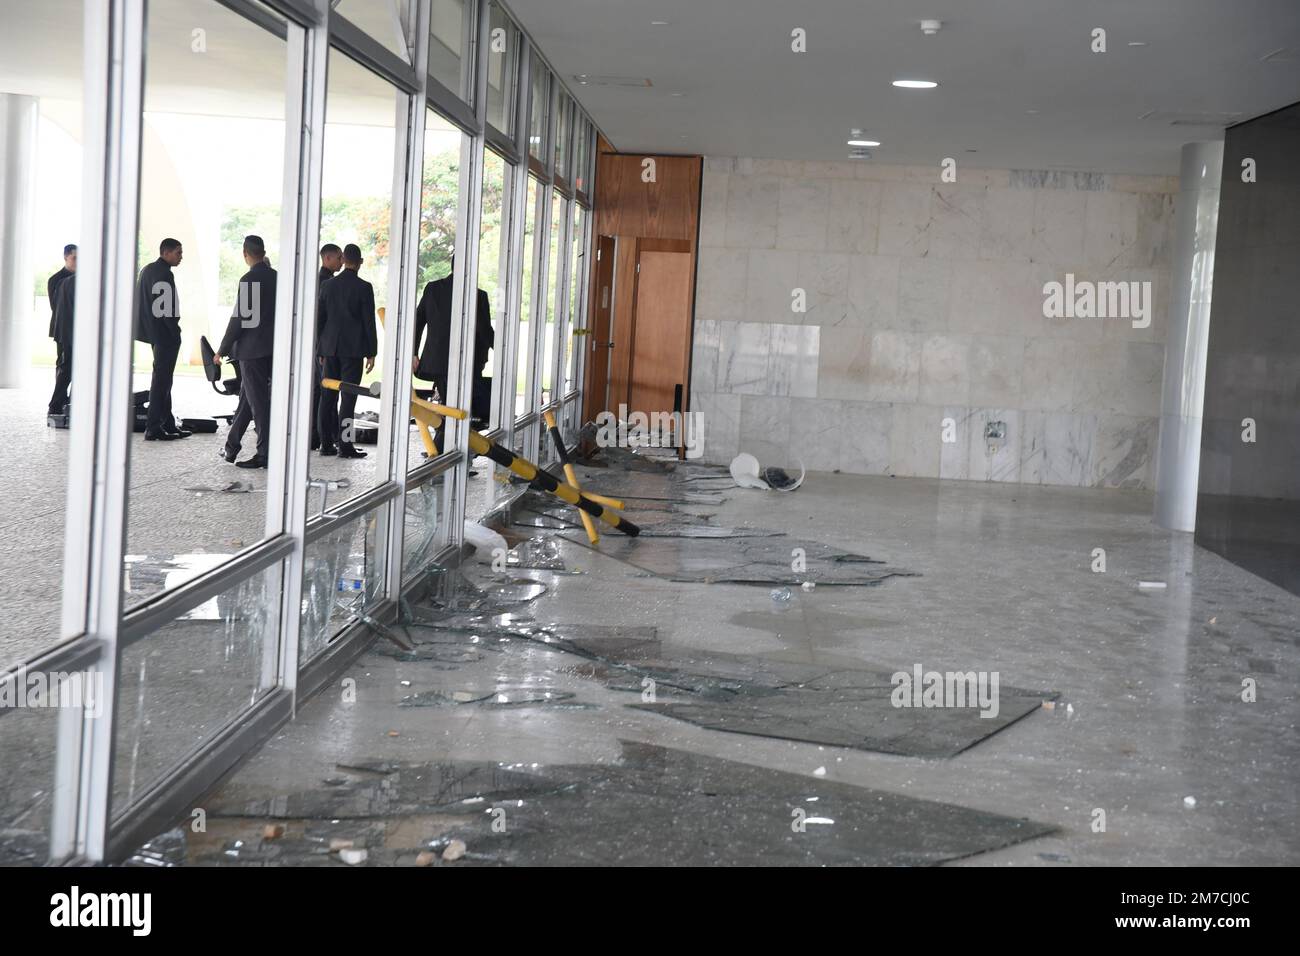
[[650, 805]]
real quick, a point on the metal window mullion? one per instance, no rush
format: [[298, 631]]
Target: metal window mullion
[[170, 605], [310, 149], [564, 266], [405, 276], [509, 361], [465, 296], [584, 307], [537, 322], [99, 474], [501, 306]]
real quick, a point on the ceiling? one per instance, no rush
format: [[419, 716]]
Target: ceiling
[[741, 91]]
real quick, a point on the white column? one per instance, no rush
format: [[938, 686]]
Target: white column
[[1178, 461], [18, 123]]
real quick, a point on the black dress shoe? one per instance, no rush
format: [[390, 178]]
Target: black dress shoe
[[229, 455], [254, 462], [160, 436], [349, 451], [328, 450], [179, 433]]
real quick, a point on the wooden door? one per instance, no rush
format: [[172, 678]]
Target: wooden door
[[661, 327]]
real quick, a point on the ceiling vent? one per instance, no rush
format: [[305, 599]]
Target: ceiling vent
[[634, 82], [1171, 118]]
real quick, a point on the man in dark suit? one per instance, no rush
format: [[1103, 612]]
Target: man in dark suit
[[158, 323], [250, 335], [345, 337], [434, 314], [331, 261], [65, 307], [63, 356]]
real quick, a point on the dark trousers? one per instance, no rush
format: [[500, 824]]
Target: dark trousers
[[315, 407], [160, 388], [337, 409], [62, 378], [239, 423], [255, 392]]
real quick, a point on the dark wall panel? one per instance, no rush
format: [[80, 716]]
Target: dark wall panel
[[1248, 507]]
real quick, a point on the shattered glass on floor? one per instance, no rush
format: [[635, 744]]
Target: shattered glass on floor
[[670, 501], [830, 706], [653, 806]]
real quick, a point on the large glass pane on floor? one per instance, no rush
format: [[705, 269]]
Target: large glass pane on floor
[[182, 685], [40, 226], [211, 193], [439, 208], [352, 301], [342, 579]]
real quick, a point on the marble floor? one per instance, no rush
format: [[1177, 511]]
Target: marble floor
[[1142, 721]]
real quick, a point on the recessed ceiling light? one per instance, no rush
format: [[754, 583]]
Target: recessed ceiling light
[[659, 23], [1032, 112], [863, 142], [676, 94], [916, 84]]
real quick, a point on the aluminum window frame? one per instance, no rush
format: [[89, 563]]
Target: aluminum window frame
[[84, 826]]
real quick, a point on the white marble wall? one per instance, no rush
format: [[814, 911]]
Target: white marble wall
[[924, 302]]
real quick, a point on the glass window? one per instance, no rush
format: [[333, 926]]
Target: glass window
[[212, 174], [503, 57], [555, 264], [494, 269], [342, 578], [361, 158], [387, 21], [41, 162], [582, 155], [439, 207], [522, 399], [421, 539], [29, 738], [448, 33], [540, 110], [180, 686], [563, 122], [577, 280]]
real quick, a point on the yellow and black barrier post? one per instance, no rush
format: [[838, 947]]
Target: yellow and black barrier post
[[569, 473], [429, 415]]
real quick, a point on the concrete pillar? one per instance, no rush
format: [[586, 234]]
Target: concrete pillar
[[19, 116], [1178, 461]]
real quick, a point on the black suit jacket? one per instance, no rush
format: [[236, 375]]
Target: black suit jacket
[[65, 303], [52, 290], [345, 317], [157, 309], [250, 333], [434, 313]]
